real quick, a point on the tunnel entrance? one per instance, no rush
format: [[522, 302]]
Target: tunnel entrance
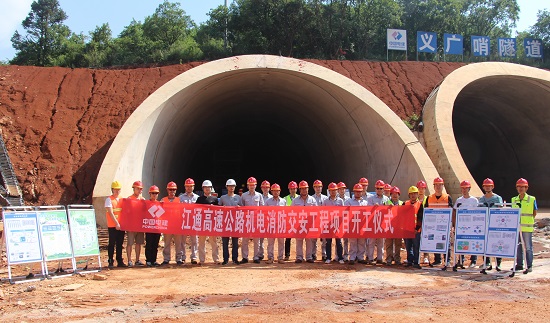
[[502, 129]]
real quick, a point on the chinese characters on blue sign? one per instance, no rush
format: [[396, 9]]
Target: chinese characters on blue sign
[[454, 44], [533, 48], [426, 42], [507, 47], [481, 45]]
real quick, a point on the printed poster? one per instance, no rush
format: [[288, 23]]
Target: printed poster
[[22, 237], [503, 232], [470, 229], [56, 239], [436, 226], [83, 232]]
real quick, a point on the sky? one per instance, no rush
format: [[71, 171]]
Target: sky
[[85, 15]]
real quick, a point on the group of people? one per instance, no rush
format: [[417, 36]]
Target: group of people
[[348, 250]]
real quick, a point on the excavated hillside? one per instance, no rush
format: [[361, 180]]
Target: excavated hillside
[[58, 123]]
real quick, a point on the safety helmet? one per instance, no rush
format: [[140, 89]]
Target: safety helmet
[[172, 185], [332, 186], [251, 180], [522, 182], [230, 182], [207, 183], [342, 185], [317, 183], [387, 187], [358, 187], [275, 187], [421, 184], [488, 182], [413, 189], [137, 184], [303, 184], [379, 184], [395, 189], [292, 184], [116, 185], [266, 184], [364, 181], [465, 184], [438, 180], [189, 182], [154, 189]]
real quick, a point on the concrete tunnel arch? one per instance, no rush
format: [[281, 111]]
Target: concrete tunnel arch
[[491, 120], [266, 116]]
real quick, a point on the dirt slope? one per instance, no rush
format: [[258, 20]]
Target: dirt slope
[[58, 123]]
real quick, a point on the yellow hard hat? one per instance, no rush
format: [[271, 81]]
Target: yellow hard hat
[[413, 189], [116, 185]]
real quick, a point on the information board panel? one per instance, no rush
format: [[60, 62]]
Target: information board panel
[[22, 237], [436, 225], [470, 229], [503, 232], [54, 229], [83, 232]]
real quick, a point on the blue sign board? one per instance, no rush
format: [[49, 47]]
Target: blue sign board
[[507, 47], [436, 227], [470, 230], [533, 48], [426, 42], [481, 45], [453, 44], [502, 233]]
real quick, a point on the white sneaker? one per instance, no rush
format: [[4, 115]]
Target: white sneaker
[[426, 260], [130, 264], [327, 261], [472, 265], [341, 261]]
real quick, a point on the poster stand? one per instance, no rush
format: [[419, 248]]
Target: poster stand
[[503, 230], [23, 241], [83, 235], [470, 233], [436, 228]]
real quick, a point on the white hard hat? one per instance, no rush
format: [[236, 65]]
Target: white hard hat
[[207, 183], [230, 182]]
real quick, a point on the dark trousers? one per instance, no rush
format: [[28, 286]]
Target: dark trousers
[[234, 249], [488, 261], [287, 247], [116, 238], [151, 247], [413, 249], [339, 249]]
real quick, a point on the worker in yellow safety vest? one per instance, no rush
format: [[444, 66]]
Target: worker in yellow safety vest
[[528, 205], [113, 207]]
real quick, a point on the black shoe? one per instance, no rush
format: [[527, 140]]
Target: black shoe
[[111, 264], [489, 268], [179, 262], [408, 264], [310, 261], [324, 258], [256, 261], [236, 262], [156, 264], [287, 258], [351, 262], [194, 262], [363, 261], [29, 276], [224, 263], [435, 264], [165, 262], [59, 270], [314, 257], [417, 267], [261, 258], [244, 261], [121, 265], [298, 261], [518, 268]]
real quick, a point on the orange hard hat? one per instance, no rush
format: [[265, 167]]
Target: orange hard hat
[[172, 185], [342, 185], [154, 189], [395, 189], [317, 183], [189, 182], [137, 184], [465, 184], [438, 180], [332, 186], [303, 184], [266, 184], [364, 181], [358, 187], [522, 182], [379, 184], [488, 182], [387, 187], [251, 180], [275, 187], [421, 184], [292, 185]]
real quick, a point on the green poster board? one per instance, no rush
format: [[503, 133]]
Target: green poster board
[[83, 232], [54, 229]]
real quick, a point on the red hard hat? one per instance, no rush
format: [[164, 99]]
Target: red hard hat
[[303, 184], [292, 185], [266, 184], [489, 182], [438, 180], [421, 184], [358, 187], [387, 187], [522, 182], [395, 189], [465, 184], [251, 180], [379, 184], [154, 189], [137, 184], [172, 185], [332, 186], [364, 181], [342, 185], [317, 183], [275, 187], [189, 182]]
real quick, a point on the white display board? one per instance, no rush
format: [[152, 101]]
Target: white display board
[[436, 226], [54, 229], [503, 232], [470, 231], [22, 237]]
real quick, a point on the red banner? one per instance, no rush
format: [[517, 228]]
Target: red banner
[[268, 221]]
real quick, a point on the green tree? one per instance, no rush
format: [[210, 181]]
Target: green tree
[[99, 50], [45, 33], [541, 29], [212, 36], [132, 47]]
